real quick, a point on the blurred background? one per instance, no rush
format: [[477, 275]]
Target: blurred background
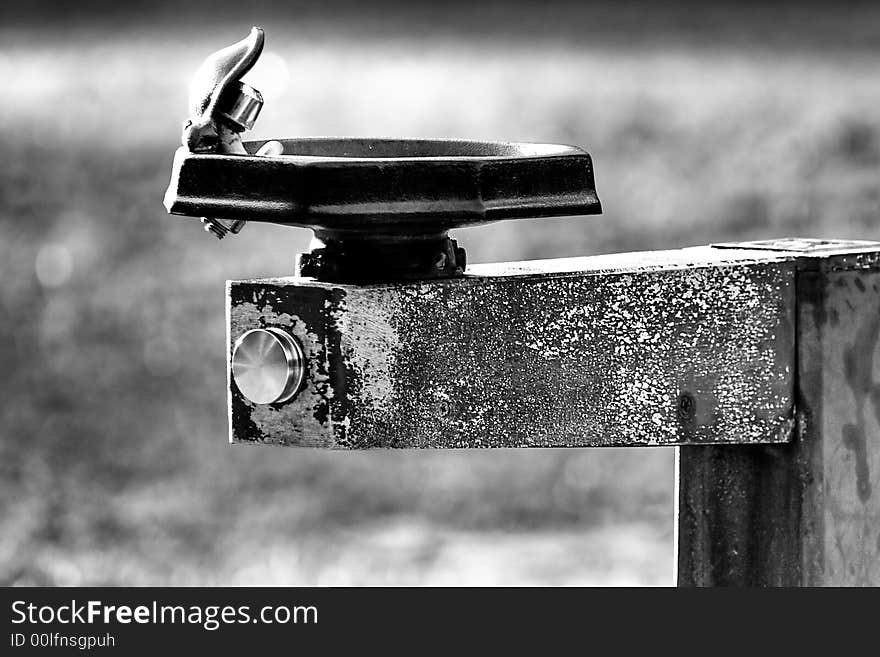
[[707, 121]]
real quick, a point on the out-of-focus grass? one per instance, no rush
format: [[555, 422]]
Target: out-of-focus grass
[[113, 456]]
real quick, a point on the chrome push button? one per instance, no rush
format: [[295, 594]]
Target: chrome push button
[[268, 365]]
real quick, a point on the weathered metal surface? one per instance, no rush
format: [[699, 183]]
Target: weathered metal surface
[[678, 347], [738, 516], [841, 397], [807, 513], [813, 254]]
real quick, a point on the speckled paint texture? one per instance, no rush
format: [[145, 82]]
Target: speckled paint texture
[[808, 512], [677, 347]]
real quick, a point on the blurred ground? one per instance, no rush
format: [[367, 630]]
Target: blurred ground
[[708, 124]]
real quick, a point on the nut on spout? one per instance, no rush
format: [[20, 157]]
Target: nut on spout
[[381, 209], [221, 107], [218, 99], [240, 105]]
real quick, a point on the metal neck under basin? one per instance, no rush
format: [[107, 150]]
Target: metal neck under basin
[[381, 208]]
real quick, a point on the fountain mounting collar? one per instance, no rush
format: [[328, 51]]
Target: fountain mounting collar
[[381, 209]]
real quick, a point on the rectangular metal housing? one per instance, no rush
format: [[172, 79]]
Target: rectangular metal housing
[[691, 346]]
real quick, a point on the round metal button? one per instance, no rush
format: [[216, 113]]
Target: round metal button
[[268, 365]]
